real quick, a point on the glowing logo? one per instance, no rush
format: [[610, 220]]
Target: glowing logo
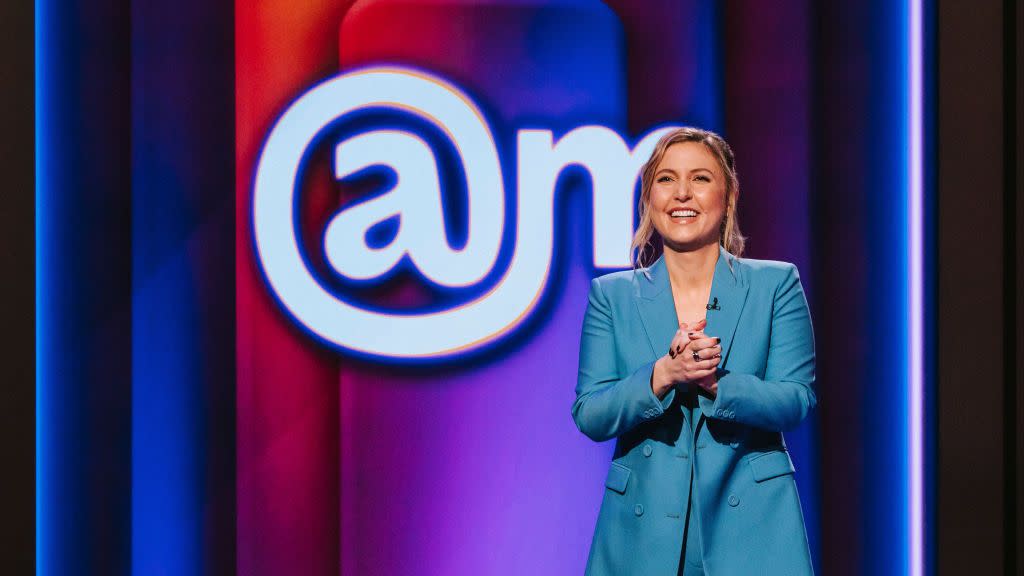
[[416, 199]]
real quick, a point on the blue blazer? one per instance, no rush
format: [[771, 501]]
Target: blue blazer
[[745, 494]]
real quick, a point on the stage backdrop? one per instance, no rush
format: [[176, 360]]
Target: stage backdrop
[[424, 190], [310, 275]]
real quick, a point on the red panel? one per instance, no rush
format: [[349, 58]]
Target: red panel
[[287, 400]]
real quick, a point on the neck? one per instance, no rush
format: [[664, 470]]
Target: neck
[[692, 270]]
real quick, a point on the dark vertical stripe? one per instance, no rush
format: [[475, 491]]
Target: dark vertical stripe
[[1018, 247], [840, 272], [83, 262], [767, 87], [17, 291], [971, 503], [183, 337], [1010, 326]]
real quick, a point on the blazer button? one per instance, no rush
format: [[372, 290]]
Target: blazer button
[[734, 444], [733, 500], [648, 450], [639, 509]]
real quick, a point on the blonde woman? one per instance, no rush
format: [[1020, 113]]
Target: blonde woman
[[696, 361]]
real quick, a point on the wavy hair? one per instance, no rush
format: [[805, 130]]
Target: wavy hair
[[647, 243]]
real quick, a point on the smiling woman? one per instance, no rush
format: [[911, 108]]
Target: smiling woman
[[700, 464], [702, 163]]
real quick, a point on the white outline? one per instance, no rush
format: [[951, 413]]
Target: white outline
[[915, 246], [492, 314]]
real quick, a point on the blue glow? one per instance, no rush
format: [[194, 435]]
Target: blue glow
[[167, 398], [915, 300], [894, 478], [42, 487]]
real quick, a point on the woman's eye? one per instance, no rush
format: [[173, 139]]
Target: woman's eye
[[664, 179], [704, 178]]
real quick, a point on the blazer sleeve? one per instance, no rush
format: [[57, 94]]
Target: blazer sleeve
[[786, 395], [606, 405]]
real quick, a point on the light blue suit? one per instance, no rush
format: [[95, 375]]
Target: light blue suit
[[750, 520]]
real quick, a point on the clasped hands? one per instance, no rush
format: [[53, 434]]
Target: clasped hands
[[679, 366]]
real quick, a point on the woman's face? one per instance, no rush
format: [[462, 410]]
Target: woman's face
[[688, 178]]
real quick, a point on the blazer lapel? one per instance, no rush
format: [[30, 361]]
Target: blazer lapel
[[656, 306], [658, 312], [731, 293]]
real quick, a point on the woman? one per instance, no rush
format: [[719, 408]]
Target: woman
[[696, 363]]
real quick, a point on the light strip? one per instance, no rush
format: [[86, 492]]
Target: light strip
[[915, 244]]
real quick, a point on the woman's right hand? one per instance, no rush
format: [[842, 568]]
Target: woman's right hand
[[678, 366]]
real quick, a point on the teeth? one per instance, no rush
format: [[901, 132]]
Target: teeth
[[683, 213]]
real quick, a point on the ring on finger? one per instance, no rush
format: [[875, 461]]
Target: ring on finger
[[696, 358]]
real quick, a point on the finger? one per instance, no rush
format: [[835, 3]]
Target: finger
[[711, 363], [685, 339], [710, 346], [703, 355], [680, 340], [675, 346], [697, 375], [705, 341]]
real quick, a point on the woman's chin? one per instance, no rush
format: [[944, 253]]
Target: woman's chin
[[686, 244]]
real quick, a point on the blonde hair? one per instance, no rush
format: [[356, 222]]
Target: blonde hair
[[646, 243]]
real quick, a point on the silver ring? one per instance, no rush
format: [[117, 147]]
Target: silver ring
[[695, 357]]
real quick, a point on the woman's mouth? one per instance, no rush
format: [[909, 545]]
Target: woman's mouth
[[683, 216]]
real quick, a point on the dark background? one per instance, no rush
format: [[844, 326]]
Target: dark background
[[974, 165], [17, 314]]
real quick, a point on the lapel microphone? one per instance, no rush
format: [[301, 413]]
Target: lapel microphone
[[714, 305]]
